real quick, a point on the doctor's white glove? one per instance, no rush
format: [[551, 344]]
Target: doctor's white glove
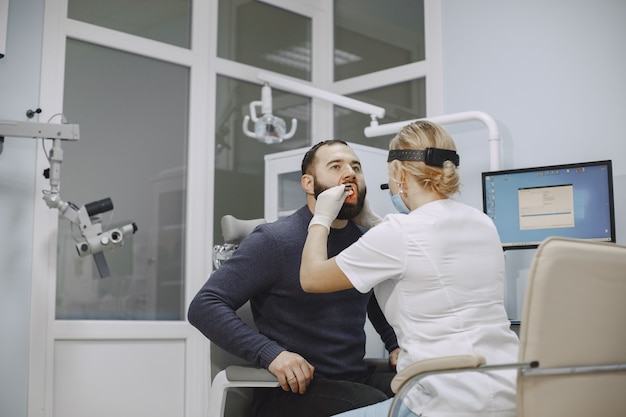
[[328, 206], [367, 218]]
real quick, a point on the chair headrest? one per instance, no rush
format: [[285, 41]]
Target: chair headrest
[[234, 229]]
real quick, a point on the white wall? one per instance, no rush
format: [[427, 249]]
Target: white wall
[[552, 76], [19, 91], [550, 73]]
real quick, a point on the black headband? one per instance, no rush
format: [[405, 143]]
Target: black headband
[[430, 156]]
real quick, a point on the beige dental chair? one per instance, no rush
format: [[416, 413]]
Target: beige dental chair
[[572, 359]]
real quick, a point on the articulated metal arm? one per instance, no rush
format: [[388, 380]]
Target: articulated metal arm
[[86, 217]]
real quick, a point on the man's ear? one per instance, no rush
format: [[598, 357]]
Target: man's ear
[[308, 183]]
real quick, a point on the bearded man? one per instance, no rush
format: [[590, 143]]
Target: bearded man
[[313, 343]]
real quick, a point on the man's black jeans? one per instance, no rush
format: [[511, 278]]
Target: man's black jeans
[[324, 397]]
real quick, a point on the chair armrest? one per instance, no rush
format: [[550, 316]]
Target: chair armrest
[[249, 373], [378, 364], [435, 364]]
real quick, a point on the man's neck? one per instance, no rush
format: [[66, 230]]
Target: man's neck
[[338, 224]]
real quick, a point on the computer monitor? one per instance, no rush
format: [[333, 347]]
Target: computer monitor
[[571, 200]]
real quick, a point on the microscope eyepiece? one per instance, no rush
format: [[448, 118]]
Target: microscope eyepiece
[[100, 206]]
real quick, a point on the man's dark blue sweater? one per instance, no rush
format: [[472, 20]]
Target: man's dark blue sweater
[[325, 329]]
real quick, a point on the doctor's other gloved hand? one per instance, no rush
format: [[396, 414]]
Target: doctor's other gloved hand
[[367, 218], [328, 205]]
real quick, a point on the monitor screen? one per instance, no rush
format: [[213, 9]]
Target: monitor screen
[[530, 204]]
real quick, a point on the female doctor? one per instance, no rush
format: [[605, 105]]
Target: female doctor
[[437, 268]]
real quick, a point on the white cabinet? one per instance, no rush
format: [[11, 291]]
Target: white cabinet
[[284, 194]]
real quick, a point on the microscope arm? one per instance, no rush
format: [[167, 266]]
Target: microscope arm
[[96, 241]]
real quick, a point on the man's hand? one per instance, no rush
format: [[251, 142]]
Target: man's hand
[[328, 205], [393, 358], [294, 373]]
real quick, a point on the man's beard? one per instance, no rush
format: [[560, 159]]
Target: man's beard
[[348, 211]]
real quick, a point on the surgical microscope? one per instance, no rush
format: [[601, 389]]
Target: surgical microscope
[[95, 241]]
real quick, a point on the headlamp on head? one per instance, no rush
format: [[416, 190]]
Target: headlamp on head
[[430, 156]]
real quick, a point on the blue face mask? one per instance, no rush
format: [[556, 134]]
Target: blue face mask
[[398, 204]]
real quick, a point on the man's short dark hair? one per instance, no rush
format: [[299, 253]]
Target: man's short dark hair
[[309, 156]]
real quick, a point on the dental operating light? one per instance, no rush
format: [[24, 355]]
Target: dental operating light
[[268, 127]]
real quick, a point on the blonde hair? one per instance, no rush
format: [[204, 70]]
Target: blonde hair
[[421, 135]]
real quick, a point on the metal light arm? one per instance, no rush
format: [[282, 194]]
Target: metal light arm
[[286, 84], [271, 129], [374, 130]]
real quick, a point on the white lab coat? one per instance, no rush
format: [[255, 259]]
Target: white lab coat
[[438, 276]]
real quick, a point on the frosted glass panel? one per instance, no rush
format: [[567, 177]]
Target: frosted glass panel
[[167, 21], [372, 35], [402, 101], [132, 113], [239, 159], [264, 36]]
